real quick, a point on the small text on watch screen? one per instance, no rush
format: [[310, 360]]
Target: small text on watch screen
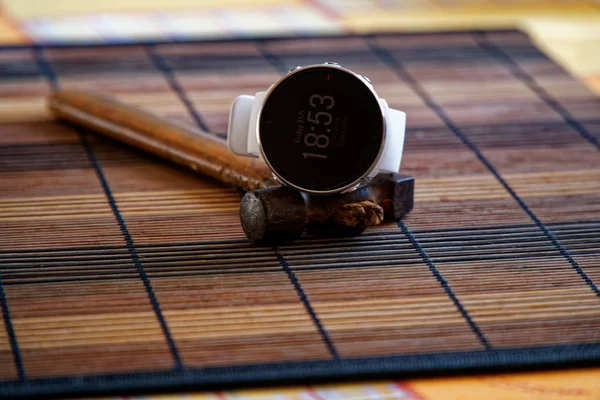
[[321, 129]]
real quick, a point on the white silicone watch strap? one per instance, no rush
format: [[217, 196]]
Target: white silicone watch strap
[[242, 136], [239, 121], [395, 125], [253, 148], [243, 116]]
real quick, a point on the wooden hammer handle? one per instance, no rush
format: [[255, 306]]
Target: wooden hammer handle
[[183, 145]]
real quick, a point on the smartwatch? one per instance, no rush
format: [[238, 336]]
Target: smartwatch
[[321, 129]]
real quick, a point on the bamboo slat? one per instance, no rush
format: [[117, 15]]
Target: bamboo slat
[[112, 261]]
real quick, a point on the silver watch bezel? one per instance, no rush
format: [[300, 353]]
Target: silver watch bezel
[[350, 186]]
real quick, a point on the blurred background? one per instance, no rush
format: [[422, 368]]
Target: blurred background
[[569, 30]]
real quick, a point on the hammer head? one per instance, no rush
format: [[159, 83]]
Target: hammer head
[[395, 193], [280, 214], [273, 215]]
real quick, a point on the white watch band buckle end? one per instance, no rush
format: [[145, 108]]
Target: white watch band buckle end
[[390, 158], [239, 120]]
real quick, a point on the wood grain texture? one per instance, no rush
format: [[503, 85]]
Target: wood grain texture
[[505, 227], [193, 149]]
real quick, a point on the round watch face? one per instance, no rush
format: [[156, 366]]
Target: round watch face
[[321, 129]]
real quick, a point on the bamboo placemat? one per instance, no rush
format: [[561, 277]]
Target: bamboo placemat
[[121, 272], [567, 30]]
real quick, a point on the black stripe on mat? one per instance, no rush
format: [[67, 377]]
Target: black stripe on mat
[[446, 286], [307, 305], [277, 63], [49, 73], [404, 75], [161, 65], [505, 59], [12, 336]]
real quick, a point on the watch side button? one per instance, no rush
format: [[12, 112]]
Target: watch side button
[[366, 79]]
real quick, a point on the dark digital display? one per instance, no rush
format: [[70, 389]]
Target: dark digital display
[[321, 129]]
